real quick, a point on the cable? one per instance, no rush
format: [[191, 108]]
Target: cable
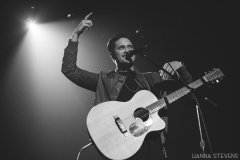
[[84, 147]]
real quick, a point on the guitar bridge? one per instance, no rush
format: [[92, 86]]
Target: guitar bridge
[[120, 125]]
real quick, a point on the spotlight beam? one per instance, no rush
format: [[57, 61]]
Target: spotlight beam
[[31, 24]]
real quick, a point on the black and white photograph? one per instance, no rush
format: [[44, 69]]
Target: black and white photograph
[[119, 80]]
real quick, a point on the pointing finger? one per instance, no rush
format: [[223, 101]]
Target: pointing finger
[[87, 16]]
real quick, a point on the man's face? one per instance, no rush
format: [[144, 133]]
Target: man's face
[[122, 48]]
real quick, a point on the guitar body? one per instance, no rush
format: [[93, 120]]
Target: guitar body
[[118, 129]]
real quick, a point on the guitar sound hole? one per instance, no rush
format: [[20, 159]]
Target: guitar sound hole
[[141, 113]]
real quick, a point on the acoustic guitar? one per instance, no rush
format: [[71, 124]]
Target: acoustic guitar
[[118, 129]]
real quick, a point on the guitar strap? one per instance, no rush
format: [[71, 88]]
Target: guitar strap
[[166, 100]]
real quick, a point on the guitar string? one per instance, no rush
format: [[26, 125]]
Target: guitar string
[[131, 118], [142, 111], [177, 92], [142, 116], [155, 109]]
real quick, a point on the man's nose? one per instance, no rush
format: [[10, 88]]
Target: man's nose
[[127, 50]]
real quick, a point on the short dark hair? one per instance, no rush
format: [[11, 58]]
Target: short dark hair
[[110, 43]]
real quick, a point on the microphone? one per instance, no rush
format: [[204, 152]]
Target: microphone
[[139, 50]]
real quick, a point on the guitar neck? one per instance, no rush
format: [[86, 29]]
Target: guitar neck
[[183, 91], [174, 96]]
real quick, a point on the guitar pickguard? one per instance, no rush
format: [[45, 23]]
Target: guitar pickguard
[[140, 127]]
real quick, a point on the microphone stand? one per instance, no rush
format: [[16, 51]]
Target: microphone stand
[[199, 112], [198, 109]]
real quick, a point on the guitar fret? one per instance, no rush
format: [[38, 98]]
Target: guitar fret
[[183, 91], [173, 96], [170, 96], [156, 106], [196, 84]]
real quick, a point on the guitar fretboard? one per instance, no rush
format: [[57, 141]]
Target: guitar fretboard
[[173, 96]]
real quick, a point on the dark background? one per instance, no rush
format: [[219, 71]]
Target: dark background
[[204, 35]]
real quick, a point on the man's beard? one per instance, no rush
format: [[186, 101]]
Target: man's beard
[[126, 66]]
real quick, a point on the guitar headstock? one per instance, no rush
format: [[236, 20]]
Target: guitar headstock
[[214, 76]]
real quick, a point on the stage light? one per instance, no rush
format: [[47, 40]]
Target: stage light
[[31, 24]]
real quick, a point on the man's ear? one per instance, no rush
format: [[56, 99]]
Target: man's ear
[[112, 55]]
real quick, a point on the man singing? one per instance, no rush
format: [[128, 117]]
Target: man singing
[[122, 83]]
